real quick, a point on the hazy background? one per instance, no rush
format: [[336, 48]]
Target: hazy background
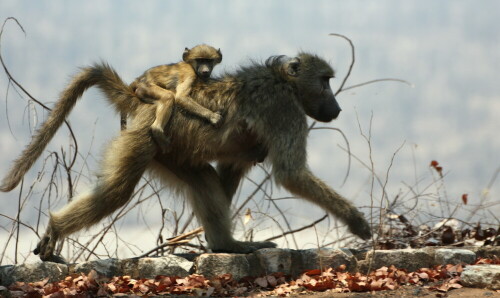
[[448, 50]]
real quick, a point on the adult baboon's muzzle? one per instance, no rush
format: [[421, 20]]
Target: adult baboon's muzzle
[[328, 111]]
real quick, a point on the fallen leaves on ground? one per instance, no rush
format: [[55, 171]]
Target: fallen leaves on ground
[[440, 279]]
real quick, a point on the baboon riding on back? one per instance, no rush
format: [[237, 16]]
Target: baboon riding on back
[[265, 108]]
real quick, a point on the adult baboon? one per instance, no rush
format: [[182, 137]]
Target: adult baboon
[[265, 106], [157, 82]]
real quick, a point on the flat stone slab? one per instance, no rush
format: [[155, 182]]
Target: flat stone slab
[[31, 272], [481, 276], [409, 259], [210, 265], [454, 256]]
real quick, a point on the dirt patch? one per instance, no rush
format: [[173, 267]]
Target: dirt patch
[[410, 291]]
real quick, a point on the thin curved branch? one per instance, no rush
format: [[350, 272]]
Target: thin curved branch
[[11, 79], [353, 59], [299, 229], [376, 81]]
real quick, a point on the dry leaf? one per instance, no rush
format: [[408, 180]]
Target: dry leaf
[[248, 216], [262, 282], [465, 198]]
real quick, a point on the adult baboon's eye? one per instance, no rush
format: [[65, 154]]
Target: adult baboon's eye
[[326, 80]]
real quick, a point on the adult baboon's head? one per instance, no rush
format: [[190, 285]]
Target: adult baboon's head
[[312, 75]]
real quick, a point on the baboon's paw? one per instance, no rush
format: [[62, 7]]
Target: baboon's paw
[[45, 249], [262, 244], [55, 259], [161, 139], [41, 246], [244, 247]]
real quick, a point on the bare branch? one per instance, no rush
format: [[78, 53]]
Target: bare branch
[[353, 60], [299, 229], [11, 79]]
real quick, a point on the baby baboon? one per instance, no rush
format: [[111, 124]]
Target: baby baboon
[[157, 82], [265, 106]]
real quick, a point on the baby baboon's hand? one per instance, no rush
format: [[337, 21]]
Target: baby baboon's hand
[[216, 119], [161, 139]]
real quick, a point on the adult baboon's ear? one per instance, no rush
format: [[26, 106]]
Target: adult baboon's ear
[[293, 67], [220, 56], [185, 54]]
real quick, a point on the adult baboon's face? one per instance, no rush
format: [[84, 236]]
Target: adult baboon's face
[[312, 76]]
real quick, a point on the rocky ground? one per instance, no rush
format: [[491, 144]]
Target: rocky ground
[[426, 272]]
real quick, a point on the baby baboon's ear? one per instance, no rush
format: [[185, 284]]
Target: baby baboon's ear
[[220, 56], [185, 55]]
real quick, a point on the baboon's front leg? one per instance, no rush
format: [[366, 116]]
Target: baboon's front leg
[[304, 184], [126, 159], [211, 207]]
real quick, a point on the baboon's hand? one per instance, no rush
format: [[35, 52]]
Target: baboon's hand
[[161, 139], [45, 248], [243, 247], [216, 119]]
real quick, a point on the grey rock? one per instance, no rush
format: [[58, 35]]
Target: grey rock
[[211, 265], [106, 267], [328, 257], [275, 260], [454, 256], [32, 272], [130, 267], [481, 276], [489, 252], [5, 275], [4, 292], [409, 259], [170, 265]]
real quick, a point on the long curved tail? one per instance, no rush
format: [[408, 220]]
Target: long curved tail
[[101, 75]]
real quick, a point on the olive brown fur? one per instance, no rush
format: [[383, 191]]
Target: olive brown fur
[[171, 84], [265, 108]]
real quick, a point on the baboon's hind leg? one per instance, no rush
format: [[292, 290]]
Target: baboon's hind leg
[[125, 161], [211, 206]]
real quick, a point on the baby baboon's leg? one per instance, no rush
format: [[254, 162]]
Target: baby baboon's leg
[[164, 107], [211, 206], [125, 161]]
